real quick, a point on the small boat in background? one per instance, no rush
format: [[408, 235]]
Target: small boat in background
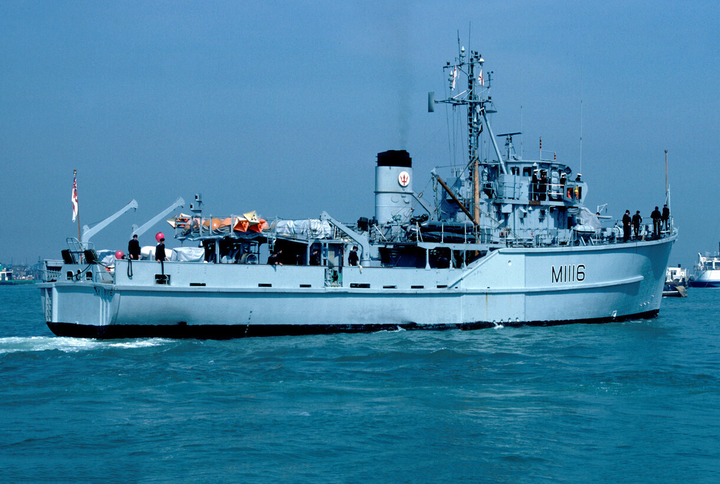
[[707, 271], [676, 282]]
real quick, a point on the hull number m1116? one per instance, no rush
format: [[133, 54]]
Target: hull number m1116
[[568, 273]]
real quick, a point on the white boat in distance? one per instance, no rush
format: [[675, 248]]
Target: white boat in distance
[[505, 241], [707, 271]]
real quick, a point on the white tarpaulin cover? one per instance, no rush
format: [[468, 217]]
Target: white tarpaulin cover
[[588, 218], [308, 228], [148, 252], [106, 257], [189, 254]]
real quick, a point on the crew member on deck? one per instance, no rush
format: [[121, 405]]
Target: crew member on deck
[[315, 257], [665, 217], [636, 221], [543, 185], [274, 258], [134, 248], [353, 256], [655, 215], [160, 251], [626, 225]]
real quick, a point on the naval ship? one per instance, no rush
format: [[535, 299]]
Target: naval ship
[[504, 241]]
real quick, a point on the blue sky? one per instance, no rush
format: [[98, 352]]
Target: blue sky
[[281, 107]]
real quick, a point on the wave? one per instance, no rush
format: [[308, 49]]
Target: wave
[[17, 344]]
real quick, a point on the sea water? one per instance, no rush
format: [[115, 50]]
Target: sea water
[[637, 401]]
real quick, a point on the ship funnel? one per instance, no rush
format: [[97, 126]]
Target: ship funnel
[[393, 187]]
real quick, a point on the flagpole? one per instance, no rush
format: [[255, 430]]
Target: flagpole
[[78, 209], [666, 179]]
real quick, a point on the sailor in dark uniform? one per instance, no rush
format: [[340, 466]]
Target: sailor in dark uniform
[[160, 251], [665, 217], [626, 225], [315, 257], [655, 215], [543, 185], [636, 221], [353, 256], [134, 248], [275, 259]]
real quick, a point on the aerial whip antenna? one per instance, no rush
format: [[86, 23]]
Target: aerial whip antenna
[[581, 117], [666, 182], [458, 39]]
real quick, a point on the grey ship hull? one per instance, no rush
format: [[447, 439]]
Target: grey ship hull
[[510, 286]]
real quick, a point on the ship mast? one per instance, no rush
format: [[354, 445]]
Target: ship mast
[[474, 130], [477, 111]]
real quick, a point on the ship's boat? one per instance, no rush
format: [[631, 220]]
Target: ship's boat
[[503, 241]]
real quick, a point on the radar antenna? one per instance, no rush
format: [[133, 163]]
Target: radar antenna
[[509, 148]]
